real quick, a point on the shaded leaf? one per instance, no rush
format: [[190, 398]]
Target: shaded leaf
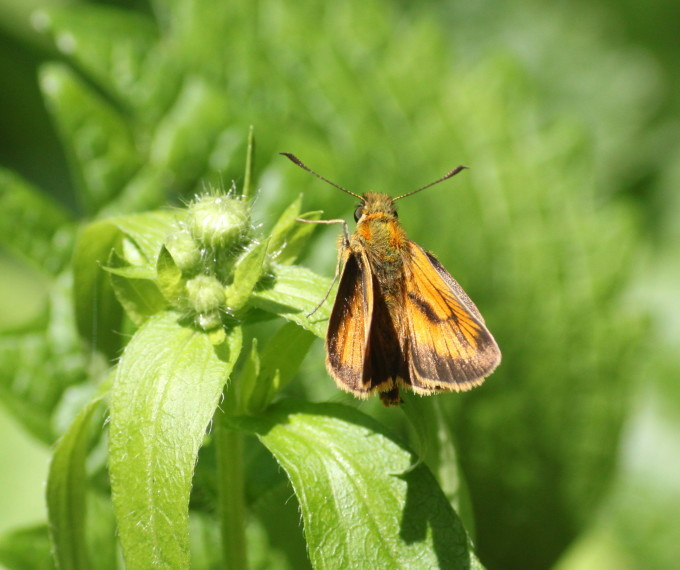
[[98, 313], [37, 367], [66, 490], [436, 448], [98, 140], [279, 361], [33, 226], [111, 45], [279, 513], [26, 549], [189, 131]]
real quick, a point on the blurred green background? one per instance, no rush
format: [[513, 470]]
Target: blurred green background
[[565, 231]]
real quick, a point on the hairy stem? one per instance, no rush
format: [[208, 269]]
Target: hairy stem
[[231, 504]]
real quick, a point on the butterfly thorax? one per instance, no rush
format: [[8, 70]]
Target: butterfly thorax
[[380, 235]]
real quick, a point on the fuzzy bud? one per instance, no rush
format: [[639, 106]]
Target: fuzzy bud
[[209, 321], [205, 293], [219, 221], [184, 250]]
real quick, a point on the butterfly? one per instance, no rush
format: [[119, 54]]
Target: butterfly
[[400, 321]]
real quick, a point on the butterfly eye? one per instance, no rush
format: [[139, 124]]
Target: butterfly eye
[[358, 212]]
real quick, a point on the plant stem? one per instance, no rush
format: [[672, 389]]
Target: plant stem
[[250, 157], [231, 506]]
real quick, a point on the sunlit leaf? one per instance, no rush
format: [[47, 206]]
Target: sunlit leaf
[[363, 502], [293, 293], [136, 289], [168, 384]]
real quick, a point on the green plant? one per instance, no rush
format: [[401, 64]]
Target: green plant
[[177, 330]]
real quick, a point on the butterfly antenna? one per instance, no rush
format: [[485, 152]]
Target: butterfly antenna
[[445, 177], [302, 165]]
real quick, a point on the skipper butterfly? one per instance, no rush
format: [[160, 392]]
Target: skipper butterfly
[[400, 321]]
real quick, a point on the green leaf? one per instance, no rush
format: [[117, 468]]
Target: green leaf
[[284, 225], [293, 293], [241, 388], [247, 273], [37, 367], [66, 489], [168, 384], [289, 236], [363, 502], [136, 289], [26, 549], [109, 44], [297, 238], [102, 533], [149, 230], [279, 513], [189, 131], [204, 541], [278, 363], [99, 140], [263, 373], [33, 226], [98, 311], [170, 281], [437, 450]]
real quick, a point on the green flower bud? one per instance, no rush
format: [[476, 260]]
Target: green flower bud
[[184, 250], [219, 221], [205, 294], [209, 321]]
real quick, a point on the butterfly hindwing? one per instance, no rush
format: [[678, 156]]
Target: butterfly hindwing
[[385, 362]]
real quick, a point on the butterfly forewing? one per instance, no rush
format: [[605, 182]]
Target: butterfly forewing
[[449, 348], [349, 325]]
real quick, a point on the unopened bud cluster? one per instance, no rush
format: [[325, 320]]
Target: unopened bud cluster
[[216, 230]]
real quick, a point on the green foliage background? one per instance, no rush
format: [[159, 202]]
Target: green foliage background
[[564, 230]]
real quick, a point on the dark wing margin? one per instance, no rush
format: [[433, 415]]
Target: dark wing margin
[[349, 326], [449, 347]]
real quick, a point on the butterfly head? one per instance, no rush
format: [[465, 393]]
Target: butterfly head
[[375, 203]]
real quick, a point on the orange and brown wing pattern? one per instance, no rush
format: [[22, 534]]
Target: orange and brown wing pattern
[[449, 347], [348, 328]]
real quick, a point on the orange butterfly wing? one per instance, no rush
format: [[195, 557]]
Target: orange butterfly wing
[[349, 325], [448, 345]]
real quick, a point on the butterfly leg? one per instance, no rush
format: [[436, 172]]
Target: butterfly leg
[[343, 249]]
